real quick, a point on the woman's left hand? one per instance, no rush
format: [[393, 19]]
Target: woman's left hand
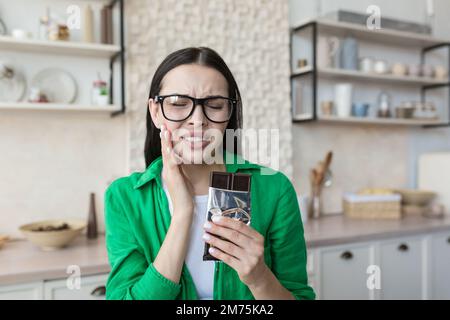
[[244, 250]]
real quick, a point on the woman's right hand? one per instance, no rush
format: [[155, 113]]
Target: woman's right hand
[[179, 186]]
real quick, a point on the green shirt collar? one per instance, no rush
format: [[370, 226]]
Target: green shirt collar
[[154, 169]]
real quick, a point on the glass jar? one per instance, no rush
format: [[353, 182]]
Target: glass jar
[[384, 105]]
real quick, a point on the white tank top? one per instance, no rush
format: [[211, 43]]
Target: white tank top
[[202, 272]]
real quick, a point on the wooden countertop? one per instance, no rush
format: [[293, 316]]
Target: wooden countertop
[[21, 261]]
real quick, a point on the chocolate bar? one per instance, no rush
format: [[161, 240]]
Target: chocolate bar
[[229, 196]]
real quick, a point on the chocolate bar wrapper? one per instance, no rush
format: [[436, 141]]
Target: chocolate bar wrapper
[[229, 196]]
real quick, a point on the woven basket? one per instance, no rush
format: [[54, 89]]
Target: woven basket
[[373, 209]]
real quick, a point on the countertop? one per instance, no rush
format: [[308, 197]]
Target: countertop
[[21, 261], [338, 229]]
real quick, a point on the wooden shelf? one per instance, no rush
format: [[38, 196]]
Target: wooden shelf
[[301, 71], [59, 47], [424, 43], [379, 121], [56, 107], [301, 117], [386, 36], [333, 73], [359, 75]]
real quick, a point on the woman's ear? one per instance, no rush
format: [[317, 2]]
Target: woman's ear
[[154, 112]]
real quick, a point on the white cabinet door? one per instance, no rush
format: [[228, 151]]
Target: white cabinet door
[[343, 272], [91, 288], [440, 266], [26, 291], [402, 268]]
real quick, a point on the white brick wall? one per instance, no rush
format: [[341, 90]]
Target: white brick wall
[[252, 36]]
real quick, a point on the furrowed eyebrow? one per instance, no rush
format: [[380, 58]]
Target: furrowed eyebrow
[[208, 96]]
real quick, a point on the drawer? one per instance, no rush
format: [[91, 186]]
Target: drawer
[[343, 272], [26, 291], [401, 264], [91, 288], [440, 266]]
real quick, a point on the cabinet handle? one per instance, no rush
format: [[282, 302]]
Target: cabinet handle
[[403, 247], [99, 291], [346, 255]]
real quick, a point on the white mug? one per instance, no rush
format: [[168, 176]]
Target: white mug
[[21, 34], [440, 72], [343, 96], [380, 67], [366, 64]]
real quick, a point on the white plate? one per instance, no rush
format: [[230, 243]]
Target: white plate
[[57, 84], [13, 89]]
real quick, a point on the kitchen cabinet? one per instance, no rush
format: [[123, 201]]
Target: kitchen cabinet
[[26, 291], [440, 266], [402, 268], [91, 288], [343, 272], [410, 267]]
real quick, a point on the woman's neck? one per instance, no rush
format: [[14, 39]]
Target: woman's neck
[[198, 175]]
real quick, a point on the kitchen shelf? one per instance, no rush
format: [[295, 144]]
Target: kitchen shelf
[[59, 47], [302, 71], [359, 75], [387, 36], [380, 121], [312, 75], [56, 107], [79, 49]]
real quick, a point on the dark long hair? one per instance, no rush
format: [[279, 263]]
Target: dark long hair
[[203, 56]]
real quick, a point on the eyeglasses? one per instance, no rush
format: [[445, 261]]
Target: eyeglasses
[[178, 107]]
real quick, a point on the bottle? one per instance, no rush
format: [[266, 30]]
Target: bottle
[[88, 24], [92, 219], [44, 23]]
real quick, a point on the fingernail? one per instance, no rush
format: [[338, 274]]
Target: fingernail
[[168, 150], [216, 218], [212, 250], [160, 136], [207, 225], [206, 236], [166, 134]]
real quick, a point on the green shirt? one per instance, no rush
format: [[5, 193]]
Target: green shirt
[[137, 218]]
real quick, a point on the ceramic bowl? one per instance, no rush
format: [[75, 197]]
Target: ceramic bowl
[[39, 233], [416, 197]]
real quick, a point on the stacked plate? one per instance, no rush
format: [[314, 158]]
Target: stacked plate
[[58, 85]]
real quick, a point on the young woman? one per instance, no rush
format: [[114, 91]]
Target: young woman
[[155, 220]]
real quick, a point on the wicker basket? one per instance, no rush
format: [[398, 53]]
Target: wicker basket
[[372, 206]]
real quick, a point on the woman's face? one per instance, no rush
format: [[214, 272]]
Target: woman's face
[[196, 137]]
